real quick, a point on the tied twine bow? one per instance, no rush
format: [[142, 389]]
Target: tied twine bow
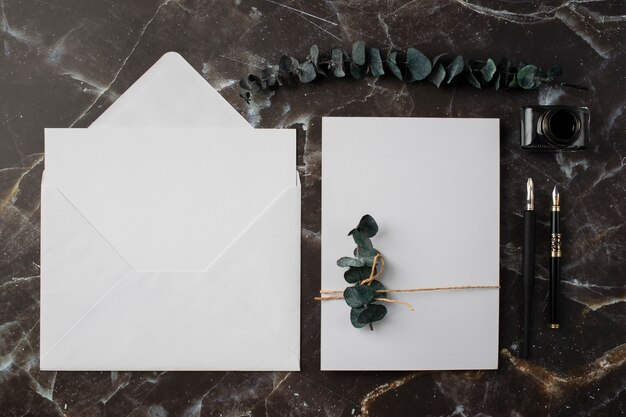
[[376, 274]]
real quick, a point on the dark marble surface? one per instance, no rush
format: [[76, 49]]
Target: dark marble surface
[[63, 62]]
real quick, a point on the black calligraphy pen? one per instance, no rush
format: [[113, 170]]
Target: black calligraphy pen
[[528, 262], [555, 259]]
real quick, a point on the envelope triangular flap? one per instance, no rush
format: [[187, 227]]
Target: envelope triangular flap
[[170, 199], [270, 247], [170, 321], [171, 93], [78, 285]]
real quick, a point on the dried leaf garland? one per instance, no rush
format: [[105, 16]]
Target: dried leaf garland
[[409, 66]]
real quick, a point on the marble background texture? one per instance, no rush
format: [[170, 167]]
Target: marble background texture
[[62, 62]]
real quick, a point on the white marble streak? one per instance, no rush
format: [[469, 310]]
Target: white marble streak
[[123, 64], [19, 35]]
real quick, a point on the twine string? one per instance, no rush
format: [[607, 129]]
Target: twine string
[[376, 274]]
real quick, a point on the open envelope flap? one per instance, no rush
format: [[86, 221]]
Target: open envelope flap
[[171, 93]]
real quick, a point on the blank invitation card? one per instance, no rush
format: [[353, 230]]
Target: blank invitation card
[[433, 187]]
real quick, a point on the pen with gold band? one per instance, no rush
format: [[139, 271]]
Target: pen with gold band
[[555, 259]]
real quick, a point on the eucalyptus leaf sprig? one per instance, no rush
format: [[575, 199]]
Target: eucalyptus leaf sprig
[[367, 264], [362, 268], [408, 66]]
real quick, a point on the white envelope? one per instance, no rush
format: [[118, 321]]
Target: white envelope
[[433, 187], [172, 249]]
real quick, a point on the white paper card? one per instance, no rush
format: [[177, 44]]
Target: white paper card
[[433, 187]]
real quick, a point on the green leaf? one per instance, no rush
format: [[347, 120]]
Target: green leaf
[[357, 71], [306, 72], [367, 253], [287, 64], [371, 314], [314, 54], [526, 76], [488, 70], [455, 68], [391, 64], [436, 59], [368, 260], [438, 75], [358, 53], [337, 63], [513, 82], [268, 76], [347, 261], [418, 64], [269, 72], [357, 274], [555, 71], [251, 83], [496, 83], [471, 78], [246, 96], [377, 286], [359, 295], [354, 317], [376, 63], [368, 226], [361, 240]]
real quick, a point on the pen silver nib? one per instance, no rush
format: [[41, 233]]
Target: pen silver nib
[[556, 197], [530, 195]]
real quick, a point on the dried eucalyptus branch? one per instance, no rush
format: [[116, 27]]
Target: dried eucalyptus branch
[[409, 66]]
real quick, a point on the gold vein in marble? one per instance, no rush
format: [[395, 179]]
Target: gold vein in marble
[[381, 390], [559, 383]]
